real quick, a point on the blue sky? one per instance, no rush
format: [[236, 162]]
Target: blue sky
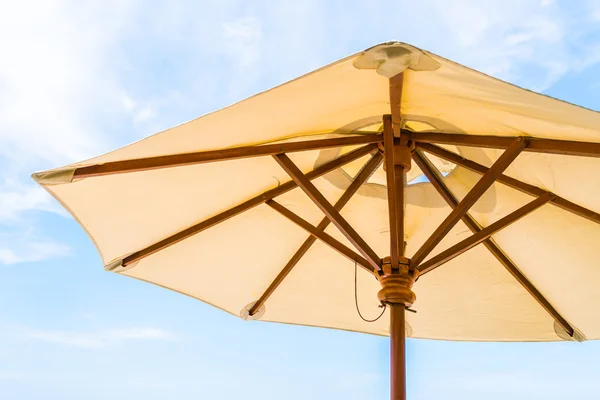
[[81, 78]]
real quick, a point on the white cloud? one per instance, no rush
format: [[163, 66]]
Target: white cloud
[[54, 78], [100, 339], [58, 79], [23, 244], [595, 13], [17, 198], [242, 43], [19, 240], [32, 251], [144, 114], [128, 103], [525, 41], [242, 39], [139, 113]]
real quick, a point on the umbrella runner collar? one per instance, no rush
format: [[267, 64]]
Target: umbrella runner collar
[[397, 283]]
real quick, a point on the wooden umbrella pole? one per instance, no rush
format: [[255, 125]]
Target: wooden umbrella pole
[[397, 354], [397, 294], [397, 277]]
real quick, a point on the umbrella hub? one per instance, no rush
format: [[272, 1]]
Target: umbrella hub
[[397, 283]]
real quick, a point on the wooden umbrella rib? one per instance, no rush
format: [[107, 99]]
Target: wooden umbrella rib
[[436, 180], [537, 145], [482, 235], [511, 182], [313, 193], [485, 141], [358, 181], [178, 160], [324, 237], [518, 275], [248, 204], [475, 167], [474, 194]]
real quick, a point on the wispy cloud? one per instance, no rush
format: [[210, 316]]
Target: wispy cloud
[[30, 251], [242, 39], [529, 42], [242, 44], [57, 83], [20, 241], [54, 78], [100, 339], [17, 198]]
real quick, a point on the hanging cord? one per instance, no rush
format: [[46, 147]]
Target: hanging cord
[[356, 297]]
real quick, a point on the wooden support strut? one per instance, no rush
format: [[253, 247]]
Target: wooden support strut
[[474, 194], [324, 237], [334, 216], [436, 180], [482, 235], [358, 181]]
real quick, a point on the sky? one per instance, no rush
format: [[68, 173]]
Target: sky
[[81, 78]]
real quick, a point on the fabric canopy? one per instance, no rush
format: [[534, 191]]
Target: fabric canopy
[[231, 264]]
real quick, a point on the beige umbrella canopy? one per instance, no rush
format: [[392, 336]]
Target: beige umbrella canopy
[[502, 237]]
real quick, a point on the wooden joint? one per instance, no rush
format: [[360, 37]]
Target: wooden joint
[[397, 283], [401, 261], [402, 156], [404, 140]]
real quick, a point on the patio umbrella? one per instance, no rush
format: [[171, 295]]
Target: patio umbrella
[[306, 203]]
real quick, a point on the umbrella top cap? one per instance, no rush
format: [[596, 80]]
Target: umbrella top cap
[[392, 58]]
